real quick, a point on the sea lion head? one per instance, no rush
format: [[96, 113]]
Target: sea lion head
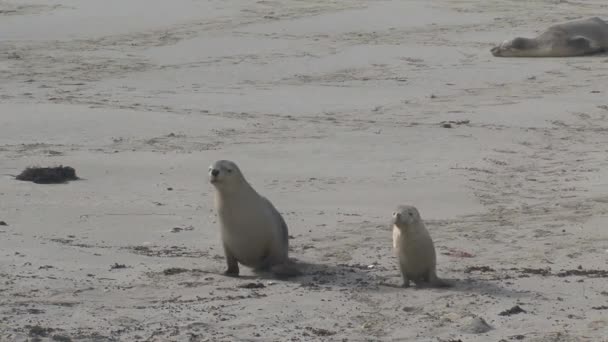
[[224, 174], [405, 215], [514, 47]]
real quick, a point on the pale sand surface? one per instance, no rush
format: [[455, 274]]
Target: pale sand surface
[[333, 110]]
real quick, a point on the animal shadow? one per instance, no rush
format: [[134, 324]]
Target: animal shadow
[[484, 287], [318, 274]]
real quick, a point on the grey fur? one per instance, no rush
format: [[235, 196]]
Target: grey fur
[[573, 38]]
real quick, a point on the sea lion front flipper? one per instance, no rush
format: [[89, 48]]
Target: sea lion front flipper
[[406, 279], [232, 262]]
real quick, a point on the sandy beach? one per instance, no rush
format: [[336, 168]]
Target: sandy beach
[[337, 111]]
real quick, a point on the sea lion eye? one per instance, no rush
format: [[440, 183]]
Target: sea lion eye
[[411, 214], [229, 170]]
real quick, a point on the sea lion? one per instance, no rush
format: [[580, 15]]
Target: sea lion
[[573, 38], [414, 248], [253, 232]]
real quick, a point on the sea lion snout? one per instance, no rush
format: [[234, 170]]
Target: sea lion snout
[[495, 51], [214, 175], [396, 217]]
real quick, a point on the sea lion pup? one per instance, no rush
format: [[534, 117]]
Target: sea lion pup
[[253, 231], [572, 38], [414, 248]]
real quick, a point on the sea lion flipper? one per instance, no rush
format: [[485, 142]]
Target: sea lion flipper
[[580, 43], [232, 263], [406, 279]]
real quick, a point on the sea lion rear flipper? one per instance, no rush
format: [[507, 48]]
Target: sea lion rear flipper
[[581, 43]]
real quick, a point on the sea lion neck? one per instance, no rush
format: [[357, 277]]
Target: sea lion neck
[[236, 187]]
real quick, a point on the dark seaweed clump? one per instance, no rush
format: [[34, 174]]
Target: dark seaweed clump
[[48, 175]]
